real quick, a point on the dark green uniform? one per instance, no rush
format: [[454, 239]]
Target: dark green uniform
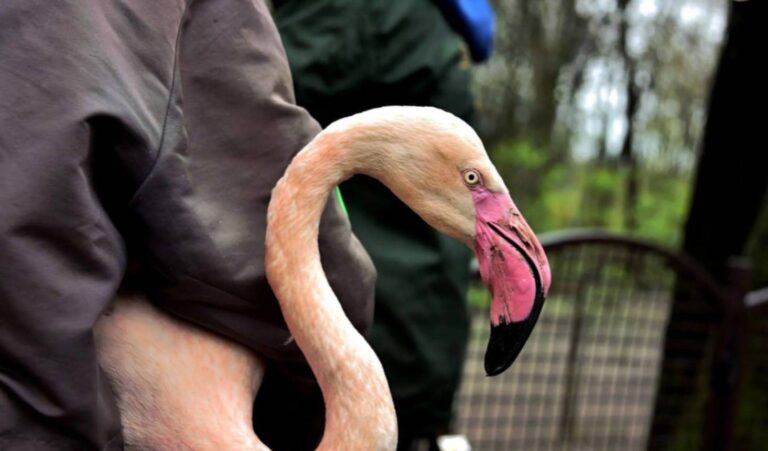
[[347, 56]]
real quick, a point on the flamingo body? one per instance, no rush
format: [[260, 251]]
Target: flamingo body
[[183, 388]]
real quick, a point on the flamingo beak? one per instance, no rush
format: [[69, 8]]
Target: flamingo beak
[[516, 271]]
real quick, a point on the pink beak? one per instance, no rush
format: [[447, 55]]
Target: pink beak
[[515, 269]]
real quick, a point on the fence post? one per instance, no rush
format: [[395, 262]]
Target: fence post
[[726, 367], [568, 412]]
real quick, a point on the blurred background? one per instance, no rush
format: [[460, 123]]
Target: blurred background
[[630, 129], [594, 109]]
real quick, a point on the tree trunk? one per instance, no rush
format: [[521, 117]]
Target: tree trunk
[[628, 157]]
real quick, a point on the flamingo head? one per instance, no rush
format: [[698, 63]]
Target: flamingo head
[[436, 164]]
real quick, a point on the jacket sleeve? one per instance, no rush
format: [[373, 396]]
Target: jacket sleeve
[[199, 216]]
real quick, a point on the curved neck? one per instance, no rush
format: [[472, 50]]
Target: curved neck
[[359, 409]]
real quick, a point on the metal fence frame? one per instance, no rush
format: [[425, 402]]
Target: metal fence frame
[[734, 304]]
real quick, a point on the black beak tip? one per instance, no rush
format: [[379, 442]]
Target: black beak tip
[[507, 340], [504, 345]]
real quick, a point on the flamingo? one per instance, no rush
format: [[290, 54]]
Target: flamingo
[[182, 388]]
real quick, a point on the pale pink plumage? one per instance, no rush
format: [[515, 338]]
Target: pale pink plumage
[[161, 365]]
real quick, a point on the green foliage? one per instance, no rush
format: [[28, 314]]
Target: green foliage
[[559, 194], [522, 155], [663, 206], [478, 296]]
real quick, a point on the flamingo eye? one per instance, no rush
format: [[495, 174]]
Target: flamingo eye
[[471, 178]]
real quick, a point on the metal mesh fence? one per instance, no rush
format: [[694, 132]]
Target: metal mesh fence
[[589, 376]]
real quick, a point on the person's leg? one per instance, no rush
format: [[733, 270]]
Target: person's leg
[[83, 89]]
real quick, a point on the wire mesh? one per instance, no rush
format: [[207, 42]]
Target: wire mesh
[[589, 376]]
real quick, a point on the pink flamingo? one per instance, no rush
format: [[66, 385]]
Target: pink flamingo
[[180, 387]]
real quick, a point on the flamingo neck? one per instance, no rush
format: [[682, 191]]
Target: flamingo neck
[[359, 409]]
